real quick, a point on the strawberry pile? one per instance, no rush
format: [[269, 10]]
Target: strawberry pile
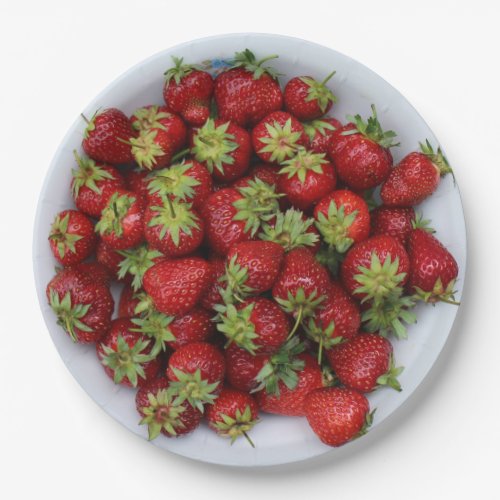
[[268, 254]]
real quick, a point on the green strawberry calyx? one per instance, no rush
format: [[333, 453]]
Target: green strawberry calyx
[[366, 425], [334, 227], [213, 146], [148, 118], [136, 262], [88, 174], [90, 123], [439, 293], [235, 278], [156, 326], [249, 62], [329, 257], [437, 158], [162, 414], [64, 240], [324, 337], [290, 230], [314, 126], [389, 378], [238, 425], [318, 91], [303, 162], [179, 70], [113, 214], [145, 305], [280, 141], [125, 360], [146, 149], [372, 129], [173, 181], [69, 315]]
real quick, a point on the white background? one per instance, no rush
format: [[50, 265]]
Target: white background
[[56, 56]]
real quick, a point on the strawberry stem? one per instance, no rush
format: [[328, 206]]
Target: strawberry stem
[[297, 323], [268, 58], [171, 206], [248, 439], [87, 121], [328, 78]]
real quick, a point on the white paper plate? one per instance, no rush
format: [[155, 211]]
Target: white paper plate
[[278, 439]]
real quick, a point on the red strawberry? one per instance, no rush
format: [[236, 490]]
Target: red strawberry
[[242, 367], [306, 178], [96, 270], [136, 180], [156, 403], [342, 218], [320, 133], [108, 257], [189, 181], [83, 305], [393, 221], [194, 326], [126, 355], [360, 151], [177, 285], [224, 148], [92, 184], [433, 270], [161, 135], [415, 178], [337, 415], [291, 401], [365, 362], [106, 136], [374, 268], [233, 414], [307, 98], [212, 296], [128, 302], [277, 137], [173, 228], [196, 371], [266, 172], [72, 237], [122, 220], [188, 91], [257, 325], [247, 92]]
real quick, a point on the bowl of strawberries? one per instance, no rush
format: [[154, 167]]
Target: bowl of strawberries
[[249, 249]]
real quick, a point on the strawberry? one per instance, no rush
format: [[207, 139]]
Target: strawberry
[[257, 325], [212, 296], [161, 135], [308, 99], [189, 181], [127, 303], [337, 415], [360, 152], [266, 172], [233, 414], [96, 270], [224, 148], [433, 270], [173, 228], [365, 362], [136, 180], [320, 133], [291, 401], [72, 237], [177, 285], [122, 220], [126, 355], [301, 285], [156, 403], [277, 137], [235, 215], [393, 221], [106, 136], [415, 178], [83, 305], [194, 326], [306, 178], [342, 218], [242, 367], [92, 184], [108, 257], [188, 92], [248, 91], [196, 372], [135, 262]]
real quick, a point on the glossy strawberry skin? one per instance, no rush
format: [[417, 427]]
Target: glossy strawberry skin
[[429, 261], [211, 297], [360, 255], [360, 162], [360, 361], [136, 180], [262, 259], [84, 290], [102, 137], [190, 417], [177, 285], [79, 225], [97, 271], [245, 100], [320, 142], [242, 367], [198, 355], [124, 327], [228, 403], [336, 414], [127, 303], [194, 326], [191, 97], [413, 180], [295, 96], [290, 402], [108, 257], [393, 221]]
